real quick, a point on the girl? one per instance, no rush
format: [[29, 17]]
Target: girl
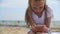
[[38, 16]]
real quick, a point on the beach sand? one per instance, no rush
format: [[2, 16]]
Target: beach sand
[[14, 30]]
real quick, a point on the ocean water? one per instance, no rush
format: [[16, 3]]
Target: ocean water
[[23, 23], [12, 23]]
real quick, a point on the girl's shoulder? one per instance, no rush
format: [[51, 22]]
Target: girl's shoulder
[[49, 9], [49, 12]]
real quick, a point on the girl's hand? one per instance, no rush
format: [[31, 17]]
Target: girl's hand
[[34, 29], [42, 28], [46, 29]]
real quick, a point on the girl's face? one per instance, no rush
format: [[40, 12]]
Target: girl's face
[[37, 5]]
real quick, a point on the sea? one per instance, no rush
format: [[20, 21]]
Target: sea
[[55, 24]]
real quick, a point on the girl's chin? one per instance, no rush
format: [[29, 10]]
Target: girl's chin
[[38, 11]]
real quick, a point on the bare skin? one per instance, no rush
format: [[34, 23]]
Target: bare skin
[[37, 6]]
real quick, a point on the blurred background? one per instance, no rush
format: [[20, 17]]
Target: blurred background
[[12, 13]]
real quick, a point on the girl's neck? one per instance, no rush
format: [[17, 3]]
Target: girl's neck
[[39, 14]]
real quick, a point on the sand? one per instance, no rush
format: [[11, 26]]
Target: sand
[[14, 30]]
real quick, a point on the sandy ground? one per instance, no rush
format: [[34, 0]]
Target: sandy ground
[[13, 30]]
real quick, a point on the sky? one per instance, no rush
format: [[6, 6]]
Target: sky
[[15, 9]]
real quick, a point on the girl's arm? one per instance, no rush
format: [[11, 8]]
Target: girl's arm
[[48, 22], [49, 16]]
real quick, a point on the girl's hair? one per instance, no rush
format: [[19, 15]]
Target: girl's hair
[[29, 10]]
